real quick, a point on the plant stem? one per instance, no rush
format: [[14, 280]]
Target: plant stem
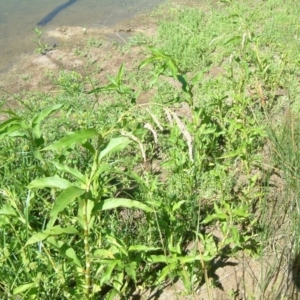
[[87, 287]]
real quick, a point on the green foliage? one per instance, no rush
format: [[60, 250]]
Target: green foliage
[[42, 48], [70, 82], [101, 192]]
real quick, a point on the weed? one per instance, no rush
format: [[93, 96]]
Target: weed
[[92, 42], [102, 192], [42, 48]]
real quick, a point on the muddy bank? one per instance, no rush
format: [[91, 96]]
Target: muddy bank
[[87, 49], [79, 49]]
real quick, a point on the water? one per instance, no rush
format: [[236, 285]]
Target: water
[[19, 17]]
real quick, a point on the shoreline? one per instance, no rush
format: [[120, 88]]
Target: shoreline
[[17, 47]]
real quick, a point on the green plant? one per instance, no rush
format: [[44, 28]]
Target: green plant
[[92, 42], [71, 83], [159, 175], [86, 190], [117, 85], [42, 48]]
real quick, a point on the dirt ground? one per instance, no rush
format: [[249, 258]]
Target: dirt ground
[[236, 278]]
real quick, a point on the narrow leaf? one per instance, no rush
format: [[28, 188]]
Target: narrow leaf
[[7, 210], [142, 248], [9, 122], [108, 272], [63, 200], [57, 230], [120, 74], [52, 182], [65, 250], [112, 203], [103, 253], [75, 173], [40, 236], [131, 270], [114, 145], [72, 139], [45, 113], [24, 287]]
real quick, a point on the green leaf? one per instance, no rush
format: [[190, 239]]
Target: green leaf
[[24, 287], [118, 280], [112, 203], [9, 123], [114, 145], [40, 236], [45, 113], [103, 253], [173, 67], [232, 154], [63, 200], [65, 250], [165, 272], [198, 76], [87, 145], [142, 248], [37, 134], [159, 259], [157, 52], [235, 38], [7, 210], [209, 218], [52, 182], [57, 230], [75, 173], [107, 274], [192, 258], [112, 294], [36, 122], [235, 236], [11, 131], [114, 83], [131, 270], [178, 205], [117, 243], [185, 279], [120, 74], [72, 139], [145, 62]]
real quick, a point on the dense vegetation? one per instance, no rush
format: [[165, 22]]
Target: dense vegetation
[[99, 199]]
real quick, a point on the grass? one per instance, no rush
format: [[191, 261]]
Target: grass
[[103, 193]]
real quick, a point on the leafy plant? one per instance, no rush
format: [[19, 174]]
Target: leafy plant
[[42, 47]]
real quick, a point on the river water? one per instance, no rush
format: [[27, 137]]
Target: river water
[[18, 18]]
